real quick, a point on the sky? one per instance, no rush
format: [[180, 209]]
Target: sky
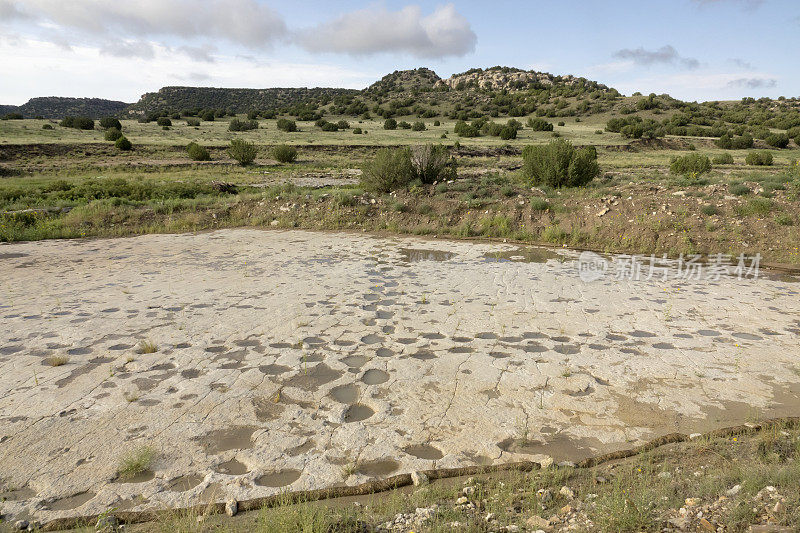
[[120, 49]]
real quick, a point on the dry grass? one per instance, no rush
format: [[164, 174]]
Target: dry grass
[[57, 360]]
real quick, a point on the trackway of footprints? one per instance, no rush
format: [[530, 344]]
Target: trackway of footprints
[[289, 360]]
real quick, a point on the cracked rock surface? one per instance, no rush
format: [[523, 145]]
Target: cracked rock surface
[[252, 362]]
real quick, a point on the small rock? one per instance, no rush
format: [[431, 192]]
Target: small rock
[[566, 509], [779, 508], [567, 492], [692, 502], [537, 522], [664, 475], [419, 478], [462, 500], [566, 464], [733, 491], [679, 523], [21, 525], [547, 462], [274, 222], [705, 525], [489, 517], [544, 495], [231, 507], [468, 491]]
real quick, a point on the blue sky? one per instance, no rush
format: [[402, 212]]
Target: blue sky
[[691, 49]]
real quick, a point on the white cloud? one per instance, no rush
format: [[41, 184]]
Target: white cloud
[[664, 55], [700, 85], [120, 48], [753, 83], [245, 22], [445, 32]]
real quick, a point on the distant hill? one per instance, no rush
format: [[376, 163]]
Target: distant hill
[[59, 107], [405, 80], [514, 79], [176, 99], [496, 90]]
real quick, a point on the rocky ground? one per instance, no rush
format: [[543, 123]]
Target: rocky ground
[[168, 370]]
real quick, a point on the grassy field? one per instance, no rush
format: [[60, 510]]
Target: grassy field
[[67, 183]]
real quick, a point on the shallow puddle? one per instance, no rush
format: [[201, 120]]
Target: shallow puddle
[[358, 412], [232, 438], [380, 468], [70, 502], [526, 254], [231, 468], [184, 483], [281, 478], [424, 451]]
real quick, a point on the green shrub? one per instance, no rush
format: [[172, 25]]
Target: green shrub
[[730, 142], [418, 126], [113, 134], [242, 151], [242, 125], [283, 153], [108, 123], [79, 123], [562, 123], [343, 125], [123, 144], [436, 123], [690, 164], [462, 129], [559, 164], [197, 152], [760, 158], [539, 124], [723, 159], [432, 163], [284, 124], [389, 170], [404, 125], [778, 140], [709, 210], [756, 206], [208, 116], [784, 219], [739, 189], [539, 204], [193, 122], [164, 122], [508, 133], [357, 131], [390, 124], [47, 127]]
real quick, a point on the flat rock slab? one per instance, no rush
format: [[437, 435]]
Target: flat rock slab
[[289, 360]]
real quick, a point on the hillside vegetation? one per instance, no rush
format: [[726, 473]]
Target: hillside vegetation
[[59, 107]]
